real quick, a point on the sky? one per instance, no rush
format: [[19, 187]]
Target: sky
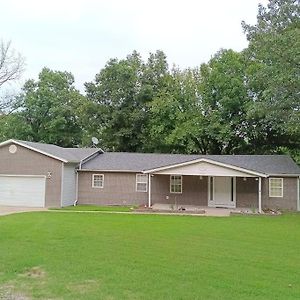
[[80, 36]]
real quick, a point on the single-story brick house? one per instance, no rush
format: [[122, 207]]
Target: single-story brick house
[[43, 175]]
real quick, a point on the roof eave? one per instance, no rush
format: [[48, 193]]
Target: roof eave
[[284, 175], [110, 171]]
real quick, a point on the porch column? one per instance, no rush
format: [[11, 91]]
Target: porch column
[[149, 190], [298, 193], [259, 195]]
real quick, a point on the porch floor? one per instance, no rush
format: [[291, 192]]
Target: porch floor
[[209, 211]]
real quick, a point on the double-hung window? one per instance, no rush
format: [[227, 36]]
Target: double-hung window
[[141, 182], [98, 181], [176, 184], [275, 187]]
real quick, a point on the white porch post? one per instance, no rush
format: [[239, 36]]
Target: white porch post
[[149, 190], [298, 193], [259, 195]]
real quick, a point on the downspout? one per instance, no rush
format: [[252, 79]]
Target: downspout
[[76, 200]]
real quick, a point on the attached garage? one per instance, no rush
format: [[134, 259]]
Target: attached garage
[[39, 175], [26, 191]]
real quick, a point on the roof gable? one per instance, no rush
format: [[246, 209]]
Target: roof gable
[[206, 167], [66, 155]]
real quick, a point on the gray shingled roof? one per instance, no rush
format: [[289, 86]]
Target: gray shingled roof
[[136, 162], [69, 154]]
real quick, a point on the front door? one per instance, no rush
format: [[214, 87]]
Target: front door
[[221, 192]]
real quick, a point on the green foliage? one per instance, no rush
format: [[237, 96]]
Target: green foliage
[[273, 76], [120, 96], [244, 103], [175, 114], [48, 111], [225, 100], [13, 125]]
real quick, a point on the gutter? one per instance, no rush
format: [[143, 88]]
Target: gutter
[[111, 171], [283, 175]]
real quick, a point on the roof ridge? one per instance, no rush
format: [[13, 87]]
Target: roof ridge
[[193, 154], [124, 152]]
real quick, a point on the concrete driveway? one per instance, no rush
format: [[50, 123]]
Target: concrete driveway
[[7, 210]]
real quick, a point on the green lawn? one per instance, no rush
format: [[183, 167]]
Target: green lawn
[[57, 255], [97, 208]]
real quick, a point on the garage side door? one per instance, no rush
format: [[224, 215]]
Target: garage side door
[[22, 191]]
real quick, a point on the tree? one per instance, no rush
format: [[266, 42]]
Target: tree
[[11, 68], [175, 115], [273, 76], [119, 97], [49, 111], [275, 18], [13, 125], [203, 110], [225, 100]]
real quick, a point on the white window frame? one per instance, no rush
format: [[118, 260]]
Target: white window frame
[[138, 181], [270, 187], [171, 184], [102, 181]]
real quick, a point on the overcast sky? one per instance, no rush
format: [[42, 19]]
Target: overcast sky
[[80, 36]]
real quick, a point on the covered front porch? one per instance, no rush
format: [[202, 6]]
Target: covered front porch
[[205, 183]]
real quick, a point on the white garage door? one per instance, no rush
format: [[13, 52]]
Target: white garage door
[[22, 191]]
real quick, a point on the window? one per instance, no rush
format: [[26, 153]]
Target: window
[[141, 182], [176, 184], [98, 181], [275, 187]]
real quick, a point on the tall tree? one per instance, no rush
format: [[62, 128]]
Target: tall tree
[[120, 95], [204, 110], [48, 111], [225, 100], [274, 77], [175, 115]]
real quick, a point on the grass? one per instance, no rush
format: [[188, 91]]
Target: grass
[[97, 208], [51, 255]]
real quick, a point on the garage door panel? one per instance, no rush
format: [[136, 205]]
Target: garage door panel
[[22, 191]]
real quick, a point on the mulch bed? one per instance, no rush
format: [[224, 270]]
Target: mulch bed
[[175, 211], [266, 212]]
